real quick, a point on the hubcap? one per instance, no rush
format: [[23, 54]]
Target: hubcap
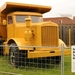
[[12, 57]]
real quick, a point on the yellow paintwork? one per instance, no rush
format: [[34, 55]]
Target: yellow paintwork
[[45, 51], [38, 54], [11, 6], [6, 49], [29, 35], [21, 43], [26, 13]]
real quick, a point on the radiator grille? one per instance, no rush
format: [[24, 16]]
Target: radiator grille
[[49, 36]]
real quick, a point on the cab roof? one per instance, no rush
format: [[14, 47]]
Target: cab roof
[[9, 7]]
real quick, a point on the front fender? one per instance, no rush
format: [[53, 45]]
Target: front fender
[[20, 42], [62, 42]]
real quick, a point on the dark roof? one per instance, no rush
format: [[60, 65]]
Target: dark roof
[[74, 18], [60, 20]]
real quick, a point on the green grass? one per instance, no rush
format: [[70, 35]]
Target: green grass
[[33, 70]]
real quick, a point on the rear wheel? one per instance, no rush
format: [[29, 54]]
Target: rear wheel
[[17, 57], [56, 60], [1, 46]]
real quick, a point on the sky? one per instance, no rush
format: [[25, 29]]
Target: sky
[[59, 7]]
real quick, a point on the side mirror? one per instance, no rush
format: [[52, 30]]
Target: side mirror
[[4, 22]]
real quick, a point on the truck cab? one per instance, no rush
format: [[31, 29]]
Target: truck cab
[[16, 23]]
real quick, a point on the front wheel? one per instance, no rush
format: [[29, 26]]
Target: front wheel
[[12, 53], [17, 57]]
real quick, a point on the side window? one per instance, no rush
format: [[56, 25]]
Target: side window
[[10, 21]]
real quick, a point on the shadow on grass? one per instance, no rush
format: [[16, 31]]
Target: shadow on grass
[[40, 63], [33, 63]]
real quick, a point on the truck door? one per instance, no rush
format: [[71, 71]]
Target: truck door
[[10, 27]]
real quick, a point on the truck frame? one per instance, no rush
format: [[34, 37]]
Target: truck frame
[[24, 34]]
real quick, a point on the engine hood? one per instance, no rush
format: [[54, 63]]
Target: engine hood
[[48, 23]]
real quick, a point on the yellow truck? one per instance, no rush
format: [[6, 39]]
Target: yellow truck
[[24, 35]]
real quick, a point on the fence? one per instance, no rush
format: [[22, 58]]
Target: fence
[[64, 33], [35, 66]]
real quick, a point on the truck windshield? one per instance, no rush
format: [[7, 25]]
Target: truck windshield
[[20, 18]]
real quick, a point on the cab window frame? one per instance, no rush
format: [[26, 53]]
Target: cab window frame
[[10, 20]]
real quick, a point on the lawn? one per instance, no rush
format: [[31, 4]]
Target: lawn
[[49, 69]]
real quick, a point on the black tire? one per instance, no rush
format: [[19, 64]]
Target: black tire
[[1, 47], [12, 54], [16, 56], [56, 60], [20, 58]]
